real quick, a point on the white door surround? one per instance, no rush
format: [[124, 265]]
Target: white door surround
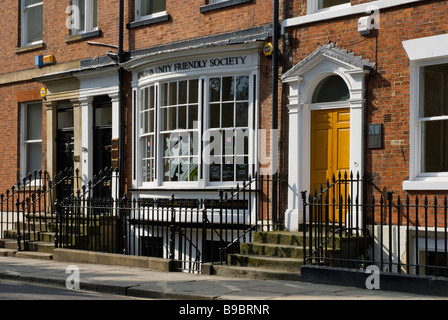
[[303, 80]]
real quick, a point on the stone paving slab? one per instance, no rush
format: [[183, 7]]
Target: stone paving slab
[[142, 282]]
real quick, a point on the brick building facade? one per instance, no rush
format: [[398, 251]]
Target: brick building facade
[[84, 74], [381, 75]]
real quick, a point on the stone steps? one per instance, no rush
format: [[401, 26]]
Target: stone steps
[[272, 255]]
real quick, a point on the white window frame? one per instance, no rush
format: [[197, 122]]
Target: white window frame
[[153, 15], [422, 52], [313, 7], [203, 112], [216, 1], [24, 24], [24, 142], [88, 20]]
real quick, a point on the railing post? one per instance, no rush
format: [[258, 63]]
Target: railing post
[[204, 232], [19, 237], [57, 207], [304, 224], [220, 226], [172, 229], [389, 204]]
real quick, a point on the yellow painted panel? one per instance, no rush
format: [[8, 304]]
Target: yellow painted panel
[[330, 149]]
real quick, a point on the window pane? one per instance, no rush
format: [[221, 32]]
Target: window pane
[[34, 122], [242, 168], [183, 92], [173, 93], [151, 97], [182, 120], [215, 89], [65, 119], [330, 3], [193, 169], [164, 119], [30, 2], [215, 169], [433, 93], [145, 93], [193, 92], [172, 118], [193, 117], [184, 144], [34, 157], [33, 24], [214, 115], [228, 89], [331, 89], [164, 101], [242, 114], [228, 170], [242, 88], [103, 116], [148, 7], [151, 121], [82, 14], [183, 169], [227, 115], [94, 13], [435, 146]]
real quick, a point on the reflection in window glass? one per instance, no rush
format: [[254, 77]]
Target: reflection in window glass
[[179, 112], [331, 89], [228, 124], [331, 3], [433, 115]]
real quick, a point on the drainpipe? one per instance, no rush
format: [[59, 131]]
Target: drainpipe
[[275, 30], [121, 100]]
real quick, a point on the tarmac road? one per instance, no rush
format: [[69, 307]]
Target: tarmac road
[[19, 290]]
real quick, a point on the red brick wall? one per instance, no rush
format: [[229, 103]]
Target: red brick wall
[[12, 97], [187, 22]]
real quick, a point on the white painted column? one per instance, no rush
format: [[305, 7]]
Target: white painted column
[[294, 195], [115, 135], [87, 139]]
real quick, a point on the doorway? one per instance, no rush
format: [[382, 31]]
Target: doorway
[[330, 150], [102, 140], [64, 149]]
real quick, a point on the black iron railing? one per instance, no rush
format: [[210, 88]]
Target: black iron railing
[[404, 235], [27, 211], [190, 231]]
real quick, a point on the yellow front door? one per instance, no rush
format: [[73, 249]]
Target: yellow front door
[[330, 148]]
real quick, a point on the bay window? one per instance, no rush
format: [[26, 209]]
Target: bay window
[[193, 130]]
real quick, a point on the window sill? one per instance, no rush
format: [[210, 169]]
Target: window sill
[[363, 8], [28, 48], [82, 36], [150, 21], [221, 5], [427, 183]]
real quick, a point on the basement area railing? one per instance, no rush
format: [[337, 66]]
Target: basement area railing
[[399, 234], [191, 231]]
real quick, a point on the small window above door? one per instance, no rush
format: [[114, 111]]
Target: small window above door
[[331, 89]]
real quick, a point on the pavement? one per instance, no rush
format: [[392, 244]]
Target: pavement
[[150, 284]]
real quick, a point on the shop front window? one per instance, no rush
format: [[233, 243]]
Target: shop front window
[[182, 134]]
